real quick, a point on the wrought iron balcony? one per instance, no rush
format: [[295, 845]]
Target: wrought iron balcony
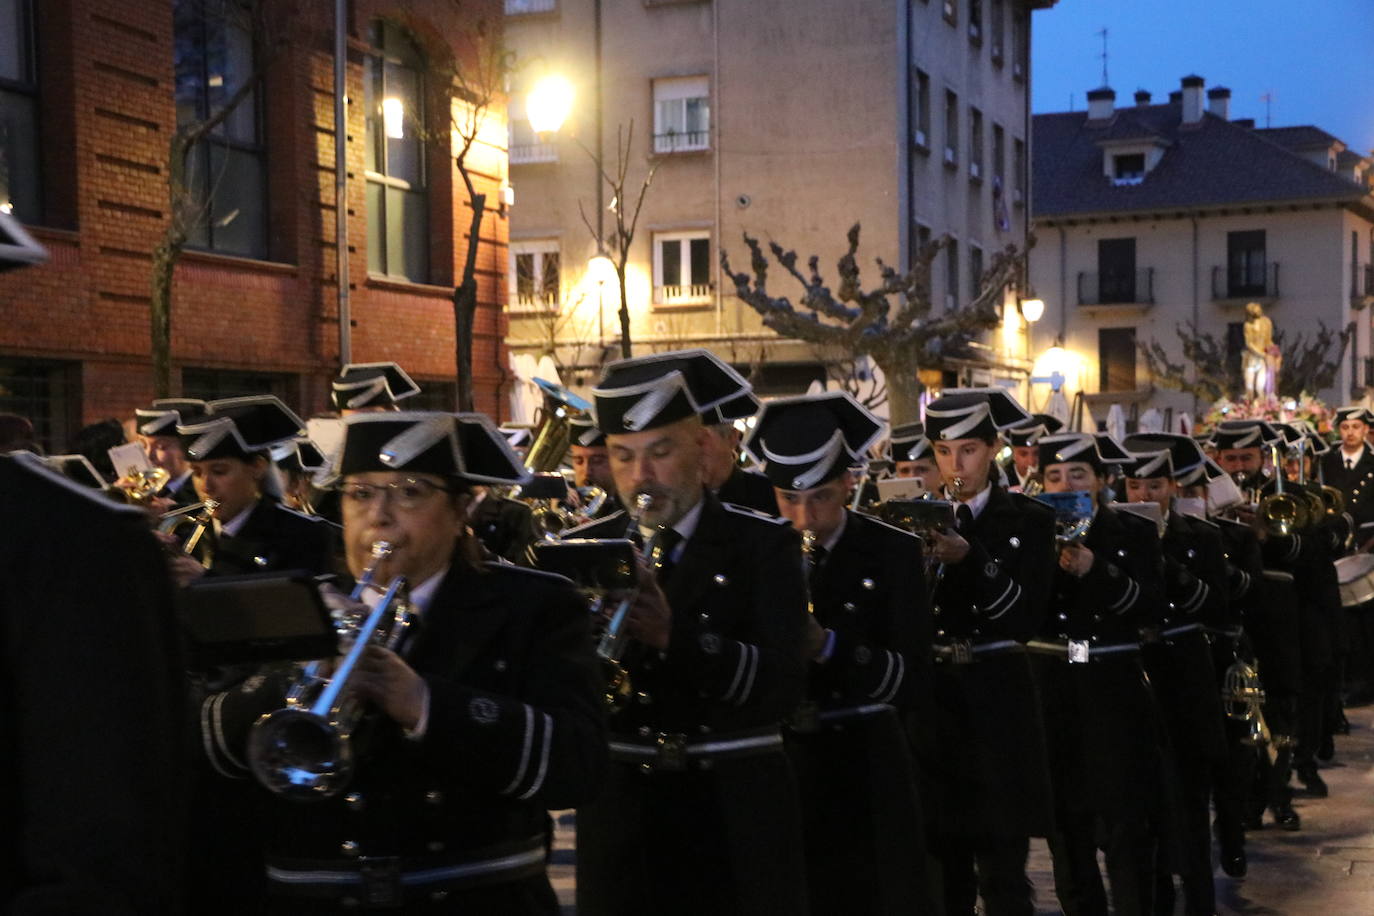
[[1117, 288]]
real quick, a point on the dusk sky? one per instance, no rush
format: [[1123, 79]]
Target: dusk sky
[[1316, 58]]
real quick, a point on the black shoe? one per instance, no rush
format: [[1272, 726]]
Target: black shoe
[[1287, 819], [1326, 750], [1233, 860], [1342, 724], [1313, 782]]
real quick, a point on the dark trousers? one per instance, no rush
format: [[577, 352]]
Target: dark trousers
[[1272, 790], [994, 867], [1130, 853], [1194, 842]]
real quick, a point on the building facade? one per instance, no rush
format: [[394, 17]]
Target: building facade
[[91, 98], [1153, 218], [788, 120]]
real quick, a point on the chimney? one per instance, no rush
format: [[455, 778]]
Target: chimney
[[1100, 103], [1192, 99], [1247, 123], [1176, 97], [1142, 97], [1219, 102]]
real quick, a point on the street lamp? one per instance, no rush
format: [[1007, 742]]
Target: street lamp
[[600, 269], [1033, 308], [548, 104]]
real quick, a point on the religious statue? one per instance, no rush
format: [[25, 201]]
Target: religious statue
[[1261, 360]]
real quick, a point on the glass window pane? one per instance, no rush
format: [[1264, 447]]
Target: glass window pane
[[403, 154], [376, 219], [238, 215], [524, 277], [242, 122], [670, 117], [372, 108], [188, 61], [698, 118], [672, 262], [198, 214], [701, 261], [407, 234], [20, 181], [14, 50], [550, 285]]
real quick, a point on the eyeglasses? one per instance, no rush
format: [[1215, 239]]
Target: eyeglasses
[[405, 494]]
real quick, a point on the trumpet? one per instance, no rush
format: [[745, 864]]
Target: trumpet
[[304, 750], [200, 539], [144, 484], [1242, 696], [808, 546]]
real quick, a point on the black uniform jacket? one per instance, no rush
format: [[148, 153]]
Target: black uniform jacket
[[92, 809], [1355, 484], [983, 761], [749, 489], [276, 538], [1013, 478], [515, 728], [1102, 725], [862, 823], [723, 836], [504, 526], [183, 495]]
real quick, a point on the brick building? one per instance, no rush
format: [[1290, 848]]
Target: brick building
[[90, 96]]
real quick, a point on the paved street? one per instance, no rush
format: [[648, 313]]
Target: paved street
[[1327, 868]]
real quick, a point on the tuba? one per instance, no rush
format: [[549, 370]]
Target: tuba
[[304, 750], [547, 450], [197, 524], [1280, 512]]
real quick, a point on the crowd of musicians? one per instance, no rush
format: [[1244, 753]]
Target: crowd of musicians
[[794, 688]]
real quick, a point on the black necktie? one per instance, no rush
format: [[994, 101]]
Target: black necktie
[[1350, 464], [963, 517], [661, 559], [818, 556]]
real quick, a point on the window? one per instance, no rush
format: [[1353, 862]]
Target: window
[[952, 275], [920, 108], [536, 275], [19, 172], [520, 7], [917, 242], [999, 155], [951, 12], [682, 115], [524, 144], [1116, 270], [1128, 169], [46, 393], [226, 173], [1020, 50], [975, 21], [682, 268], [397, 200], [998, 15], [1246, 266], [1018, 177], [951, 128], [975, 271], [975, 152], [213, 384], [1116, 359]]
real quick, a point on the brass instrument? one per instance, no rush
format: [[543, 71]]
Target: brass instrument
[[1073, 516], [1242, 696], [1281, 513], [547, 493], [1033, 487], [924, 518], [808, 546], [199, 542], [304, 750], [145, 484]]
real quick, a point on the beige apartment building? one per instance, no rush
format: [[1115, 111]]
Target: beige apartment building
[[1154, 216], [789, 120]]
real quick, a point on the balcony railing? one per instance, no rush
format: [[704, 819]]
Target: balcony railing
[[1128, 288], [525, 153], [684, 294], [534, 302], [1256, 281], [682, 141], [518, 7], [1362, 283]]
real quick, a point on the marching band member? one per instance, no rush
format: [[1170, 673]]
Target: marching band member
[[987, 783], [1178, 658], [229, 450], [1021, 469], [1274, 626], [912, 455], [371, 387], [721, 471], [1350, 468], [699, 814], [870, 662], [157, 432], [591, 463], [491, 715], [1102, 729]]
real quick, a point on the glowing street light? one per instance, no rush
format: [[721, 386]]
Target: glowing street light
[[1032, 309], [548, 104]]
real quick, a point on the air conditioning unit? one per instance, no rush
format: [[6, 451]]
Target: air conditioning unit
[[950, 158], [920, 138], [1016, 195], [975, 170]]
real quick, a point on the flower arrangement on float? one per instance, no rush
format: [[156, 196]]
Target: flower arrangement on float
[[1269, 407]]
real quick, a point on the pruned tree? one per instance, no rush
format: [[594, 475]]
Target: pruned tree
[[1210, 371], [864, 323], [851, 374], [626, 218], [267, 26]]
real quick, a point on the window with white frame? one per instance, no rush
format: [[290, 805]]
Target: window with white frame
[[682, 268], [535, 275], [682, 114]]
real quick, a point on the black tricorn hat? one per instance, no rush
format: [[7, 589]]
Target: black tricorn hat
[[908, 442], [1086, 447], [1042, 424], [467, 446], [1149, 463], [585, 433], [240, 428], [647, 392], [973, 413], [77, 469], [300, 456], [741, 408], [1233, 434], [1300, 432], [165, 414], [1353, 412], [803, 442], [361, 385], [1190, 464]]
